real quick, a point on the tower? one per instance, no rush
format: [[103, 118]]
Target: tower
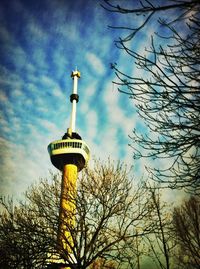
[[70, 155]]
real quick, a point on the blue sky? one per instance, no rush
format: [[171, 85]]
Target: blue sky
[[41, 42]]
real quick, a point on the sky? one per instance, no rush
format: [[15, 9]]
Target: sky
[[41, 43]]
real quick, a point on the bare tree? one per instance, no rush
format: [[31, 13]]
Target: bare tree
[[28, 231], [186, 219], [108, 210], [161, 241], [166, 94]]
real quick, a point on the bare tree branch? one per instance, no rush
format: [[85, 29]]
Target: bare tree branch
[[166, 94], [107, 211]]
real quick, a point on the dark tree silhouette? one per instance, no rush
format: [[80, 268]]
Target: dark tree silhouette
[[186, 219], [108, 210], [161, 241], [167, 93]]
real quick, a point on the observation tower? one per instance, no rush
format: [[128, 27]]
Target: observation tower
[[70, 155]]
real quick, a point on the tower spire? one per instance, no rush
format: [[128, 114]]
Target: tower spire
[[74, 98]]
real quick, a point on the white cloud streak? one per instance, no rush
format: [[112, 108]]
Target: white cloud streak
[[95, 62]]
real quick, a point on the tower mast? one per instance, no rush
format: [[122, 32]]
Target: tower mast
[[70, 155], [74, 98]]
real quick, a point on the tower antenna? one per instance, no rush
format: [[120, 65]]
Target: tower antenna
[[74, 98]]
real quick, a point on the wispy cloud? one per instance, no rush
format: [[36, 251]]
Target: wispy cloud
[[96, 63]]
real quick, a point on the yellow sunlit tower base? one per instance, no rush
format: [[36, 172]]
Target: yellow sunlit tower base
[[70, 155]]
